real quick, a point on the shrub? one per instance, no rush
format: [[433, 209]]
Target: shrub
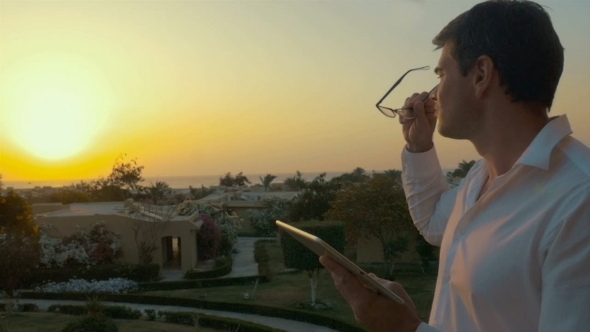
[[97, 245], [151, 313], [94, 324], [263, 220], [219, 270], [208, 239], [139, 273], [22, 307], [115, 285], [27, 307], [121, 312], [68, 309], [257, 309], [183, 318]]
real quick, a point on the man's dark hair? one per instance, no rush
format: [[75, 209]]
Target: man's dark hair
[[519, 37]]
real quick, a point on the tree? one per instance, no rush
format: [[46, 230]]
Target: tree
[[159, 191], [394, 173], [19, 256], [267, 180], [296, 182], [359, 174], [297, 256], [462, 170], [263, 220], [19, 241], [314, 199], [200, 193], [147, 228], [229, 181], [241, 180], [126, 175], [208, 239], [69, 196], [16, 215], [377, 209]]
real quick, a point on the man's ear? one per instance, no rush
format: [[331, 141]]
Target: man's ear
[[483, 75]]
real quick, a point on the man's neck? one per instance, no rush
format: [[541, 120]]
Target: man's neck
[[503, 139]]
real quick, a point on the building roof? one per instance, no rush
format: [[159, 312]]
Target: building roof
[[89, 209], [115, 208]]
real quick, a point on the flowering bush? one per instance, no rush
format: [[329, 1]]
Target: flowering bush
[[113, 285], [208, 239], [263, 221], [227, 222], [97, 245]]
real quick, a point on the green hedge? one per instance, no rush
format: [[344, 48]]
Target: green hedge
[[22, 307], [121, 312], [223, 269], [202, 283], [223, 323], [250, 308], [68, 309], [115, 312], [139, 273]]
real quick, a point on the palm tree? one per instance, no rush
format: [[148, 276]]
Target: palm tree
[[267, 180], [359, 174], [159, 191], [463, 169], [241, 180], [297, 182]]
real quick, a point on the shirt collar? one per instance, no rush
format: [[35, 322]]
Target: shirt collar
[[539, 151]]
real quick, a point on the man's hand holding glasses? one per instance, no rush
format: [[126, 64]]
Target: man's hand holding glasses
[[417, 115]]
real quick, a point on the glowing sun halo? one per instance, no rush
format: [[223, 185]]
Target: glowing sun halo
[[56, 105]]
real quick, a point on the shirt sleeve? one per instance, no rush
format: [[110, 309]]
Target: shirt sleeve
[[424, 186], [423, 327], [565, 300]]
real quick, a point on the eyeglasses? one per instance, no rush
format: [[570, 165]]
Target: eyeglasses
[[405, 112]]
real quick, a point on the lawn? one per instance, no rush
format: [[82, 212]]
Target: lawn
[[54, 322], [292, 290]]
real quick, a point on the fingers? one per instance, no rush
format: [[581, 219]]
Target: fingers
[[346, 283]]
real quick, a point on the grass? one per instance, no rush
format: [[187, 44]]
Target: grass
[[54, 322], [291, 290]]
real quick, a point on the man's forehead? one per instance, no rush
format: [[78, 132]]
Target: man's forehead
[[445, 55]]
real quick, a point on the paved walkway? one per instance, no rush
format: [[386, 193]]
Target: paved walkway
[[243, 265]]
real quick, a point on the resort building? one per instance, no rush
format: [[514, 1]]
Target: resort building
[[175, 235]]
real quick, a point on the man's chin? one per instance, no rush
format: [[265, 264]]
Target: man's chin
[[448, 132]]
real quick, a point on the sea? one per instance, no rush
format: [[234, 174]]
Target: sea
[[175, 182]]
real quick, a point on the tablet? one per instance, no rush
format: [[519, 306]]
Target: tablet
[[320, 247]]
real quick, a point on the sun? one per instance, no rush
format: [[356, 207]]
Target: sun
[[56, 105]]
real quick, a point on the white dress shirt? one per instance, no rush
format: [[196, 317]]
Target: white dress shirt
[[517, 259]]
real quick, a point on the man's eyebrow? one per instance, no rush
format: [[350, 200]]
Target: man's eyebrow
[[437, 70]]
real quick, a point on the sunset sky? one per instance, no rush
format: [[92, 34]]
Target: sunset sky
[[209, 87]]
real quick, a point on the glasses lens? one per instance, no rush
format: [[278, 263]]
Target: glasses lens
[[416, 81], [387, 111]]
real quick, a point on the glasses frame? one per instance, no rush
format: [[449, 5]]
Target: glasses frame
[[406, 112]]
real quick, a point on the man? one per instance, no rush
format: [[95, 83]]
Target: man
[[514, 236]]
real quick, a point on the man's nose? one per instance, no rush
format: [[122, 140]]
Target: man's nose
[[433, 93]]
